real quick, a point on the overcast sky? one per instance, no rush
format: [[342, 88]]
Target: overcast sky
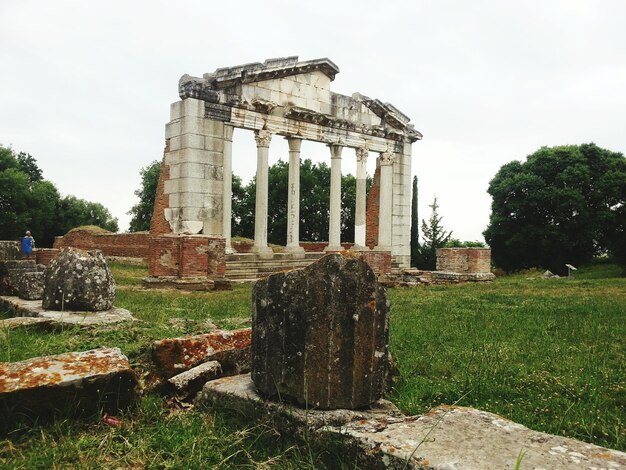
[[85, 86]]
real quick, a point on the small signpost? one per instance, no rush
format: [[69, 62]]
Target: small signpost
[[570, 268]]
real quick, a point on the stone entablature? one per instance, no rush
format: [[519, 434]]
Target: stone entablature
[[282, 97]]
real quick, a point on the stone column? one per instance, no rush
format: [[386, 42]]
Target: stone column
[[361, 189], [263, 139], [334, 225], [293, 198], [385, 202], [228, 187]]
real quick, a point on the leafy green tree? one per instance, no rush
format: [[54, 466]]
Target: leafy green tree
[[434, 236], [142, 211], [562, 205], [29, 202]]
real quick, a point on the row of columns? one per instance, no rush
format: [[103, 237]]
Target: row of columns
[[263, 139]]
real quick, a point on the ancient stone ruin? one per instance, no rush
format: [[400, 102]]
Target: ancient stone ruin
[[319, 335], [281, 97], [78, 280], [463, 264]]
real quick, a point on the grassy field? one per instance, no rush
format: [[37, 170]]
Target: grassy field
[[549, 354]]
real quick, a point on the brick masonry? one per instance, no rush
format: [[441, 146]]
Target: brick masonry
[[45, 255], [379, 261], [464, 260], [133, 245], [159, 225], [371, 216], [186, 256]]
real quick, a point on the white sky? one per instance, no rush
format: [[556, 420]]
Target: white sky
[[85, 86]]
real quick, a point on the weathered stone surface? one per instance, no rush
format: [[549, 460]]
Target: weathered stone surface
[[25, 322], [192, 380], [30, 286], [74, 383], [78, 280], [32, 308], [240, 394], [444, 439], [438, 277], [455, 437], [319, 335], [231, 348], [9, 250]]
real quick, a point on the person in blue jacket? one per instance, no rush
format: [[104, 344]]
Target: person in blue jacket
[[28, 243]]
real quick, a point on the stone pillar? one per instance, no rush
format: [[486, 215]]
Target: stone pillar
[[263, 139], [334, 226], [386, 199], [293, 198], [361, 190], [228, 187]]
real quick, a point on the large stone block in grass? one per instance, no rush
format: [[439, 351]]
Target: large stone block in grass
[[78, 280], [320, 335], [73, 383], [230, 348]]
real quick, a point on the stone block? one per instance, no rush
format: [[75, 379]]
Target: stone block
[[9, 250], [78, 280], [445, 438], [230, 348], [25, 322], [320, 334], [72, 383], [173, 129], [30, 286], [192, 380], [214, 144]]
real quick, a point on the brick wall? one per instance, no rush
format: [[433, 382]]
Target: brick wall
[[45, 255], [379, 261], [464, 260], [372, 211], [158, 224], [133, 245], [186, 256]]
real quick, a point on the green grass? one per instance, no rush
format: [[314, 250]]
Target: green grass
[[549, 354]]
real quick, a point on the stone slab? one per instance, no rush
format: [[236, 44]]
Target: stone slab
[[32, 308], [25, 322], [230, 348], [445, 276], [446, 438], [192, 380], [239, 393], [70, 383]]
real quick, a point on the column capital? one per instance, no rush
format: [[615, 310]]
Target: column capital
[[361, 154], [335, 150], [387, 158], [263, 138], [294, 143]]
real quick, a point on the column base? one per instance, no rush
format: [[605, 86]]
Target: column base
[[297, 251], [359, 248], [381, 248], [334, 248], [263, 252], [229, 250]]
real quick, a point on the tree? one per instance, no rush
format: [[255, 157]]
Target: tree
[[562, 205], [142, 211], [29, 202], [415, 229], [434, 237]]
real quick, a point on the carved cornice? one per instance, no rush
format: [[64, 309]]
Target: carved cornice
[[263, 138], [193, 87]]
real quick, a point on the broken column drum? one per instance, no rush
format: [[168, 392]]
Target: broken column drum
[[320, 335]]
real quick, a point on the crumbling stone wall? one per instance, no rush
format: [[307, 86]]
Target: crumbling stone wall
[[158, 224], [133, 245], [464, 260]]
